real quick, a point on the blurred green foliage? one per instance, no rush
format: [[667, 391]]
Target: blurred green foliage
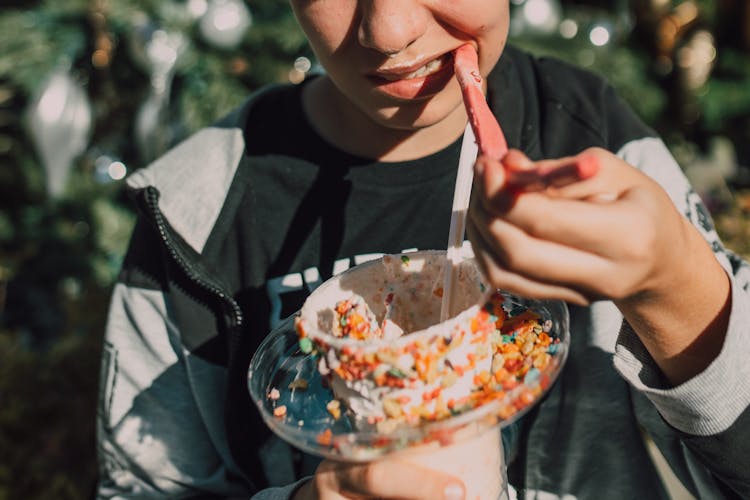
[[59, 257]]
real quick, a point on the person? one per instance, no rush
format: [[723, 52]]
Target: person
[[239, 222]]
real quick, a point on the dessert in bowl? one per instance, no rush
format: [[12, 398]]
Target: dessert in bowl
[[375, 332], [366, 369]]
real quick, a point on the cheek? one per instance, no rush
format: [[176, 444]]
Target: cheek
[[490, 36], [484, 22], [490, 49], [474, 17], [327, 24]]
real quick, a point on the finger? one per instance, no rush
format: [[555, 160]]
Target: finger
[[613, 177], [515, 159], [397, 479], [581, 215], [525, 175], [489, 185], [490, 174], [578, 224], [499, 184], [580, 168], [521, 173], [538, 260], [594, 174], [504, 279]]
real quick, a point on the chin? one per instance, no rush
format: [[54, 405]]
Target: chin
[[418, 115]]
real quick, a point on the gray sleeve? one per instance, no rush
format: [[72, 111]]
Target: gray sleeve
[[708, 403], [709, 411]]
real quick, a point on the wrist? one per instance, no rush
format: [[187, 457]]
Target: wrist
[[682, 320]]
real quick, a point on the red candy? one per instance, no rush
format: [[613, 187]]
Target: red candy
[[491, 140]]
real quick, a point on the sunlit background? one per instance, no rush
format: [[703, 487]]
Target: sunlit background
[[91, 90]]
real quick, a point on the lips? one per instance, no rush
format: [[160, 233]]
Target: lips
[[420, 80]]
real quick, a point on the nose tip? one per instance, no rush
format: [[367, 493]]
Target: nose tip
[[390, 26]]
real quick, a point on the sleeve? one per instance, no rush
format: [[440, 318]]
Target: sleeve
[[281, 493], [709, 412], [153, 438]]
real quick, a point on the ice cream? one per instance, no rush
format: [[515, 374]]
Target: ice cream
[[390, 363], [386, 359]]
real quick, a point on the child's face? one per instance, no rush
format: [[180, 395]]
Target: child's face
[[390, 58]]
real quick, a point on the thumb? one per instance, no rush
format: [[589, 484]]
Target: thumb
[[490, 176], [494, 194]]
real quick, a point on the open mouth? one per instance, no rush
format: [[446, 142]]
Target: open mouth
[[415, 82], [432, 67]]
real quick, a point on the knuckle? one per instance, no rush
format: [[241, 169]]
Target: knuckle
[[643, 239], [616, 289], [631, 250], [595, 151], [642, 248]]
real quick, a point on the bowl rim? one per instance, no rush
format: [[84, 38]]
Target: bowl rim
[[317, 334]]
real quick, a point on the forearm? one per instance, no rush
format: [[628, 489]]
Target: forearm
[[710, 409], [683, 324]]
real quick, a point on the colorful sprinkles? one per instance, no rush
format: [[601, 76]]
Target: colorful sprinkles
[[504, 355], [354, 321]]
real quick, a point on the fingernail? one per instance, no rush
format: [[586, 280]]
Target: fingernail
[[454, 491], [588, 166], [494, 179]]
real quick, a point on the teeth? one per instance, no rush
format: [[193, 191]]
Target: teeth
[[431, 67], [428, 69]]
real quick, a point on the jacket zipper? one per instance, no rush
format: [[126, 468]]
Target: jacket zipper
[[233, 313], [232, 308]]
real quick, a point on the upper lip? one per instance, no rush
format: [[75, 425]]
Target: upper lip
[[396, 70]]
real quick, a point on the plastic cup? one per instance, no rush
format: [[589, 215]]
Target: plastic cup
[[478, 461], [297, 372], [407, 289]]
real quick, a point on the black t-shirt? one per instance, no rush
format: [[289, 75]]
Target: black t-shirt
[[310, 210]]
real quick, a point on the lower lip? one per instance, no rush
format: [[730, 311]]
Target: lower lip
[[415, 88]]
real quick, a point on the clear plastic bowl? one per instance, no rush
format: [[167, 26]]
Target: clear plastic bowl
[[282, 375]]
